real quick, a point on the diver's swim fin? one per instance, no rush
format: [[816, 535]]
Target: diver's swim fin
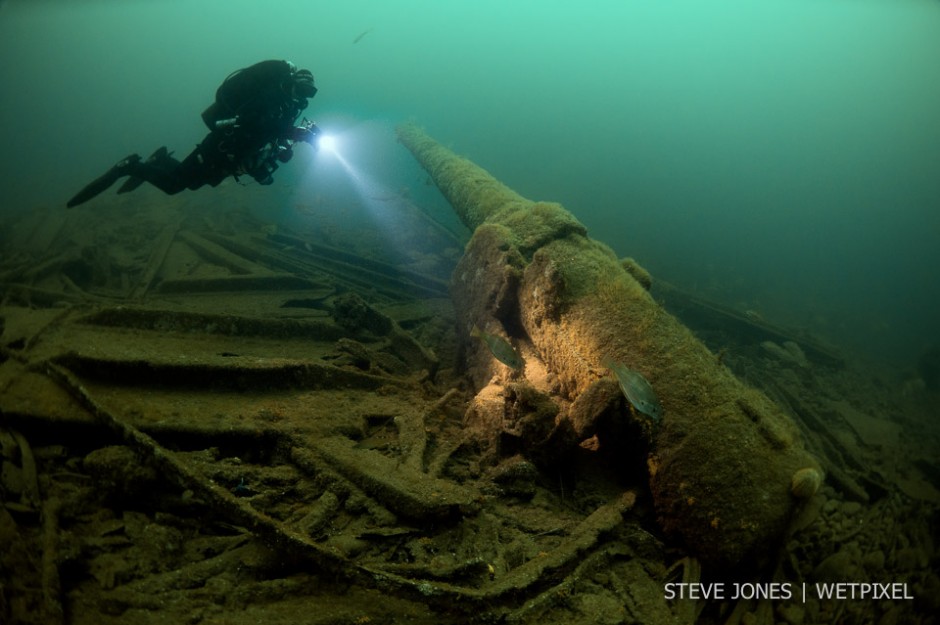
[[135, 181], [99, 184], [158, 155], [130, 184]]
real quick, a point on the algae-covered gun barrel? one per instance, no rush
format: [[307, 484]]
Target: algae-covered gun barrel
[[723, 460]]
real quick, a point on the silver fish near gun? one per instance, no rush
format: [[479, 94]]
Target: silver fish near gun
[[500, 348], [637, 391]]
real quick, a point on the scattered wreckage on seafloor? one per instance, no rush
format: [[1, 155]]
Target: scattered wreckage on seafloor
[[206, 418]]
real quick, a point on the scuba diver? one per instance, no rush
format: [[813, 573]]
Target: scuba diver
[[251, 130]]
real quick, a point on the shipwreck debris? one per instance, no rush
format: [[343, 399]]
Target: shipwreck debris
[[720, 475]]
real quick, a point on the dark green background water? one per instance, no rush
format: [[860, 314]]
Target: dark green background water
[[780, 156]]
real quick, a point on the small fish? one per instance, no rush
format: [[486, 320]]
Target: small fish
[[637, 391], [361, 35], [500, 348]]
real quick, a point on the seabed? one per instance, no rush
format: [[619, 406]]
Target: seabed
[[204, 419]]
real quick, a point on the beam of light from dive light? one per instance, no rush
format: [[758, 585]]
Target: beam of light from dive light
[[327, 143], [372, 193], [352, 176], [330, 144]]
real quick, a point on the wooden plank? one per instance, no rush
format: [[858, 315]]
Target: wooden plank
[[157, 256]]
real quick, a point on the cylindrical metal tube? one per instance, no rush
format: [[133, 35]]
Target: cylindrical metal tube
[[473, 193], [721, 464]]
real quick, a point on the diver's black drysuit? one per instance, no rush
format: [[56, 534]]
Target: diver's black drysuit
[[251, 130]]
